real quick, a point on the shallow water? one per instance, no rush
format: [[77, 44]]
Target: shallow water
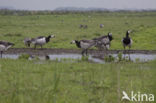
[[59, 57], [73, 56], [10, 56], [141, 57]]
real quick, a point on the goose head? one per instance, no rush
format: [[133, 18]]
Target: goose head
[[128, 32], [110, 36], [73, 42], [51, 36]]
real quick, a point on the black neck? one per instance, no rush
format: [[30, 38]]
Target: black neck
[[110, 37], [127, 34], [78, 44], [48, 38]]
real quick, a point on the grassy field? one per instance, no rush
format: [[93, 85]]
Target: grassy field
[[23, 81], [66, 28], [77, 81]]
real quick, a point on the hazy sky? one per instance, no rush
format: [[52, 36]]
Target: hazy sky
[[52, 4]]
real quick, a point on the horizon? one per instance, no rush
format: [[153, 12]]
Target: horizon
[[79, 9], [102, 4]]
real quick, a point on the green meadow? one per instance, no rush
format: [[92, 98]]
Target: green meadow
[[23, 81], [76, 81], [65, 27]]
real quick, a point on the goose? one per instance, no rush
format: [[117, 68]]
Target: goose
[[41, 40], [104, 42], [81, 26], [4, 45], [47, 57], [85, 26], [84, 45], [101, 25], [27, 41], [127, 41]]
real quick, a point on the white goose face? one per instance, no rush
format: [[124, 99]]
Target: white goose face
[[52, 36], [129, 31], [72, 42], [110, 34]]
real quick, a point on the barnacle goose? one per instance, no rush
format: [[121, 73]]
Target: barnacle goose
[[27, 42], [84, 45], [127, 41], [4, 45], [41, 40], [104, 42]]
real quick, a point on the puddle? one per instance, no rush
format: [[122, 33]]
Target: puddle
[[59, 57], [133, 57], [141, 57], [10, 56], [73, 56]]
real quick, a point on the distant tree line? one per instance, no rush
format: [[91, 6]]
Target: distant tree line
[[48, 12]]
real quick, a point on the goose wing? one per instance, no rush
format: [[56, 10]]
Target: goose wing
[[5, 43], [100, 38], [40, 37], [87, 43]]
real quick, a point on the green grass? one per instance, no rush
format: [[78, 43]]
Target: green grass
[[23, 81], [66, 28]]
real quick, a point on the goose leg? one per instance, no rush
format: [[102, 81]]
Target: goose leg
[[129, 53], [86, 52], [1, 53], [41, 46], [124, 52], [107, 49], [83, 52]]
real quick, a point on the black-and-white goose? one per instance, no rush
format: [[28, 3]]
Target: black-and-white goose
[[127, 41], [104, 42], [4, 45], [84, 45], [41, 40], [101, 25], [27, 42]]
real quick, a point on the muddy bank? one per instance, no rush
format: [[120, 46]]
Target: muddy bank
[[47, 51]]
